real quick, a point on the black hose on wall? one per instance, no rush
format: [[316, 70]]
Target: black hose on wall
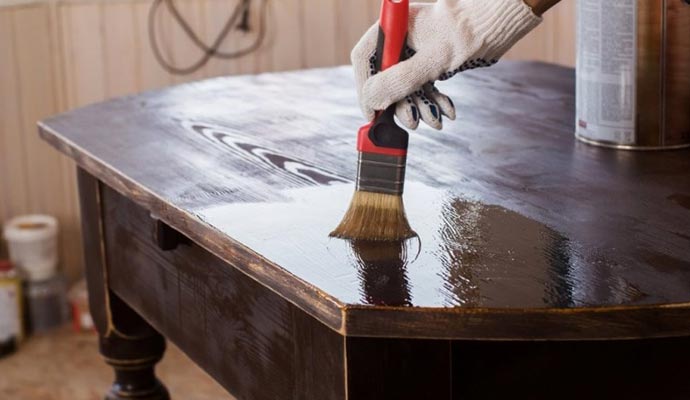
[[240, 13]]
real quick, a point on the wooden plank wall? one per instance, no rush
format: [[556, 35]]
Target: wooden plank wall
[[61, 54]]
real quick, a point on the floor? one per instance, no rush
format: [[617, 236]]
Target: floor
[[66, 366]]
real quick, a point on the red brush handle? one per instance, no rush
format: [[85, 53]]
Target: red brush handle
[[395, 15]]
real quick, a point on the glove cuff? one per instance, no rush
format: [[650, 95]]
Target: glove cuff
[[498, 23]]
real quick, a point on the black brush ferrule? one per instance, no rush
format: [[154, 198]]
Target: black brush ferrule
[[380, 173]]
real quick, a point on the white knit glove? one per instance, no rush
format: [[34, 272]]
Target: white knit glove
[[444, 38]]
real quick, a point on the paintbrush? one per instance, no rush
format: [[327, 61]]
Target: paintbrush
[[377, 211]]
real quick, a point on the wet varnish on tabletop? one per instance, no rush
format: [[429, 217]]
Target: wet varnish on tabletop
[[540, 262], [511, 212]]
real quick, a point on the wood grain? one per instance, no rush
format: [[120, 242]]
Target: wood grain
[[90, 199], [247, 336], [251, 336], [262, 194], [99, 49]]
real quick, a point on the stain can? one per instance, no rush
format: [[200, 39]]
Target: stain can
[[11, 322], [633, 74]]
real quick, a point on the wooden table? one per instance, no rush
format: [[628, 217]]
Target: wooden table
[[544, 268]]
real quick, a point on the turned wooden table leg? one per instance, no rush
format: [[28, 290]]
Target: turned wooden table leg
[[128, 343], [133, 355]]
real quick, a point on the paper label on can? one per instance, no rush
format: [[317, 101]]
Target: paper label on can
[[606, 70], [10, 318]]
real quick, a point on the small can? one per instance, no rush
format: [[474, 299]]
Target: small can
[[11, 322], [633, 73], [46, 304]]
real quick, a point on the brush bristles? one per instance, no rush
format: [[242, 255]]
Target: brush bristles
[[375, 216]]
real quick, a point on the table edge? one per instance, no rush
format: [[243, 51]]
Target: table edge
[[404, 322], [307, 297]]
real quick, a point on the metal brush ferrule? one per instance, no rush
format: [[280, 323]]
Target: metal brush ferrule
[[380, 173]]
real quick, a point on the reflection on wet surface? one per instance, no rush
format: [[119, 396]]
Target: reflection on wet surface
[[382, 270], [488, 252], [468, 254]]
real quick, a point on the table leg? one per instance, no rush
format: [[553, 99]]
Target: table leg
[[128, 343], [133, 355]]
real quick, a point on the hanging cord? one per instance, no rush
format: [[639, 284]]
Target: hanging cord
[[241, 10]]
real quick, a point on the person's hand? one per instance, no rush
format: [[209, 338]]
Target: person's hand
[[445, 38]]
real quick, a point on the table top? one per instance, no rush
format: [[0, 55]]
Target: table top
[[523, 232]]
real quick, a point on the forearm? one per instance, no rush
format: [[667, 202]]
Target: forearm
[[541, 6]]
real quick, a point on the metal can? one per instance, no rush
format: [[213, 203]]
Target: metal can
[[11, 322], [633, 73]]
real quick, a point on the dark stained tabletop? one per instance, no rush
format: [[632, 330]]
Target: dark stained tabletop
[[523, 232]]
